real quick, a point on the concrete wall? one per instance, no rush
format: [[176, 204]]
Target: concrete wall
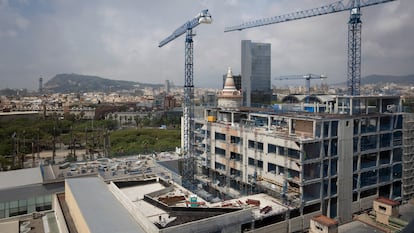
[[297, 224], [225, 223], [75, 212], [281, 227], [60, 219]]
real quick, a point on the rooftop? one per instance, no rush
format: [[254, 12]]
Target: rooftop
[[322, 219], [21, 177], [387, 201], [101, 209]]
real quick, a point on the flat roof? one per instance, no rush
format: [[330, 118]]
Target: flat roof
[[357, 227], [21, 177], [322, 219], [387, 201], [136, 195], [265, 201], [11, 227], [102, 212]]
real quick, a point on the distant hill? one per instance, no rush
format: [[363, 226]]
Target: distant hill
[[375, 78], [378, 78], [68, 83]]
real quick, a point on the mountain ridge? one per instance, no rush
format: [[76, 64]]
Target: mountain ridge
[[376, 78], [68, 83]]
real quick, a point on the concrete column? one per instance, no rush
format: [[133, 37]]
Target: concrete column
[[345, 170]]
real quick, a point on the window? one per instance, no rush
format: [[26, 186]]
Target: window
[[397, 171], [326, 129], [311, 171], [236, 156], [334, 147], [356, 126], [396, 155], [325, 168], [369, 178], [398, 122], [251, 161], [396, 189], [325, 188], [311, 191], [220, 166], [334, 129], [260, 164], [219, 151], [220, 136], [369, 192], [368, 160], [271, 168], [333, 186], [295, 154], [312, 150], [251, 144], [260, 146], [385, 123], [334, 166], [385, 157], [385, 140], [397, 141], [234, 139], [271, 148], [281, 150], [368, 142], [326, 147]]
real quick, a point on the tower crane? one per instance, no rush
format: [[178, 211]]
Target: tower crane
[[354, 31], [307, 78], [188, 110]]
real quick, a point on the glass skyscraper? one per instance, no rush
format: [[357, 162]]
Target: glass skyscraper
[[255, 72]]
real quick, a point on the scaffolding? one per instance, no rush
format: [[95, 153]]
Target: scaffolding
[[408, 156]]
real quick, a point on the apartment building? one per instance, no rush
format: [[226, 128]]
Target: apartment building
[[335, 161]]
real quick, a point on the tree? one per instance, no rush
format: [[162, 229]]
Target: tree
[[138, 121]]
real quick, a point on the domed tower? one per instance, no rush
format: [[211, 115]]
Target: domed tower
[[229, 97]]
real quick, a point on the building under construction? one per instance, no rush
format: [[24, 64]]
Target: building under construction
[[334, 159]]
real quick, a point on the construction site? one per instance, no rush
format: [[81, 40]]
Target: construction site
[[245, 165]]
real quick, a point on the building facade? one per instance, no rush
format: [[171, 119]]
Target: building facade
[[255, 73], [334, 162]]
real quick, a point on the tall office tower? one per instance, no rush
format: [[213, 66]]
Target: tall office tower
[[40, 85], [167, 86], [255, 72]]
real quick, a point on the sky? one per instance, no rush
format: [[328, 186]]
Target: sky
[[119, 40]]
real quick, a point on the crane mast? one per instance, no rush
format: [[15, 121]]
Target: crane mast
[[188, 109], [354, 52], [354, 31]]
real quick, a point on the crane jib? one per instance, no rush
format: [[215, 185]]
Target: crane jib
[[323, 10]]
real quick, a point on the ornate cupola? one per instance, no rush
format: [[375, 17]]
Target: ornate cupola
[[229, 97]]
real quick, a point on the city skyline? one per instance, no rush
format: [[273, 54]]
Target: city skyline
[[119, 41]]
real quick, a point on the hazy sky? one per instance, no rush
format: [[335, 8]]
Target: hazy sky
[[118, 39]]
